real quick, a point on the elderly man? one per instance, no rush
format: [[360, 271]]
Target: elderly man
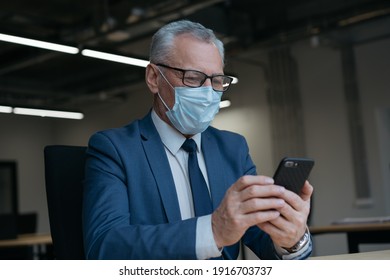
[[169, 186]]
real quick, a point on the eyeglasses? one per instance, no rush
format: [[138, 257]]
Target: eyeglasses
[[194, 79]]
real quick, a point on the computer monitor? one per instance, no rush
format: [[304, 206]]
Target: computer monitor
[[8, 199]]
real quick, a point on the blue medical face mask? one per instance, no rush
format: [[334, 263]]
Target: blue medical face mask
[[194, 108]]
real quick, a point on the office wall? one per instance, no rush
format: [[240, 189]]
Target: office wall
[[327, 128], [328, 139], [109, 114], [373, 75], [22, 140], [325, 120]]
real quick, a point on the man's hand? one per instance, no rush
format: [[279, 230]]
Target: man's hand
[[287, 229], [252, 200]]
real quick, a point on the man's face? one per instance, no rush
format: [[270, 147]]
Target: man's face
[[192, 54]]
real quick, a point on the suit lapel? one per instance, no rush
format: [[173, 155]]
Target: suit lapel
[[214, 165], [158, 161]]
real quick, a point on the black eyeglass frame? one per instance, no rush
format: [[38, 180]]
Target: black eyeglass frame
[[183, 71]]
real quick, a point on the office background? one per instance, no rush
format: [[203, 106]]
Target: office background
[[320, 96]]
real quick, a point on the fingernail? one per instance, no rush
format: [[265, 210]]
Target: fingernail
[[269, 180]]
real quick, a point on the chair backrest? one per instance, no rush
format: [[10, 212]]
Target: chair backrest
[[64, 174]]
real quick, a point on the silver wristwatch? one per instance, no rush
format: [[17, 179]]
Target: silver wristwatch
[[300, 244]]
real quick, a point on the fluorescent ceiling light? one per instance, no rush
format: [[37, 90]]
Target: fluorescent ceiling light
[[48, 113], [38, 44], [235, 80], [115, 58], [5, 109], [364, 16], [224, 104]]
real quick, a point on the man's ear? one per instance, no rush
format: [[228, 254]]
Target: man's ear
[[151, 76]]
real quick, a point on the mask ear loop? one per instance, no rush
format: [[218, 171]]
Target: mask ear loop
[[165, 78], [158, 94]]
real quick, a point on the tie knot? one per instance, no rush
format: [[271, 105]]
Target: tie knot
[[189, 146]]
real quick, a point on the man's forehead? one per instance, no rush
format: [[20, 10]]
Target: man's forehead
[[191, 53]]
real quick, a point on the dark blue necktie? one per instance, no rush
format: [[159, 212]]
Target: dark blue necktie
[[200, 192]]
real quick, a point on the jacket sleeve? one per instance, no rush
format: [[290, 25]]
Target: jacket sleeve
[[107, 213]]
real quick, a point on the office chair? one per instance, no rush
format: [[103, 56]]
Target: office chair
[[64, 174]]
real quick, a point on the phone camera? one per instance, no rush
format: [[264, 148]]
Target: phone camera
[[290, 164]]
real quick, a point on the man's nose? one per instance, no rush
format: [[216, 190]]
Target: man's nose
[[207, 82]]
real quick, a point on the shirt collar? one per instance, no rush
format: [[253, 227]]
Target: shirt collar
[[171, 138]]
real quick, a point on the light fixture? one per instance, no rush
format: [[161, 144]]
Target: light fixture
[[125, 59], [115, 58], [235, 80], [364, 16], [5, 109], [73, 50], [38, 44], [48, 113], [225, 103]]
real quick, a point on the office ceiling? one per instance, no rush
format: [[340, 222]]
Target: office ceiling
[[40, 78]]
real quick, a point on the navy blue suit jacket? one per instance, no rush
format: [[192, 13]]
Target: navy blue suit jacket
[[131, 210]]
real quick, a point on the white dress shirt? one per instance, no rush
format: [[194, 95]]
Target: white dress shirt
[[178, 160]]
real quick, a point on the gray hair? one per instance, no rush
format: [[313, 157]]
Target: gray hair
[[163, 39]]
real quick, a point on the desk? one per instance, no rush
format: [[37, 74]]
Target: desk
[[375, 255], [41, 243], [358, 233]]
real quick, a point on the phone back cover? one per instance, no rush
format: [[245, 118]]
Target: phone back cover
[[293, 178]]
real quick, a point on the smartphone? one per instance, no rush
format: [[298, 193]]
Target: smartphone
[[293, 172]]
